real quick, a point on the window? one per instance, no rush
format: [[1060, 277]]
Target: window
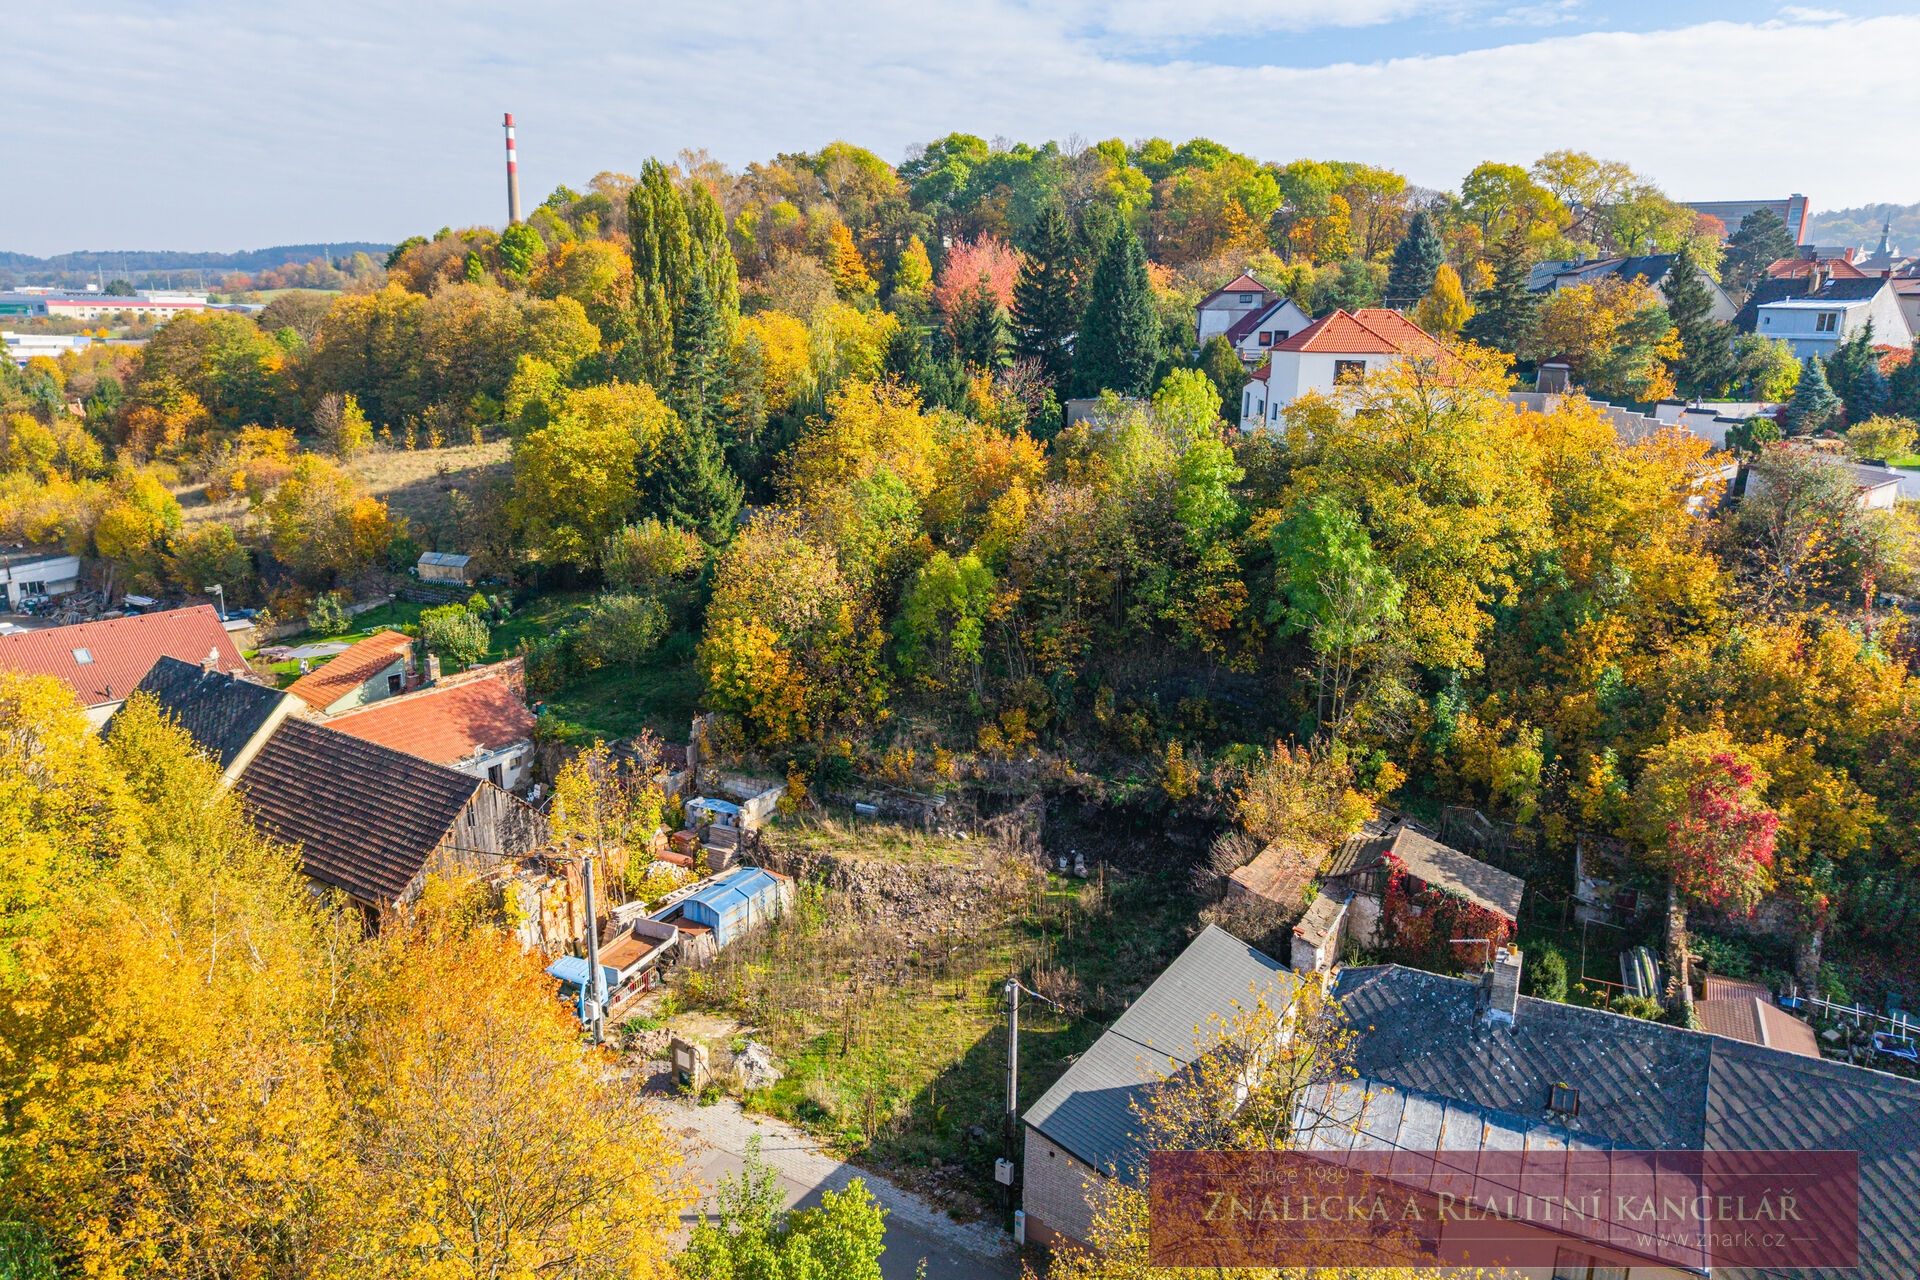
[[1246, 297], [494, 775], [1266, 338], [1827, 322], [83, 656], [1568, 1265], [1564, 1099], [1345, 371], [394, 682], [1280, 335]]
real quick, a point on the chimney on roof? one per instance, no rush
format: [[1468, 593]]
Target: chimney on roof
[[433, 668], [1501, 987], [210, 663]]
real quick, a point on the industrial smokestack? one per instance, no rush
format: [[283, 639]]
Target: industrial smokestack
[[513, 176]]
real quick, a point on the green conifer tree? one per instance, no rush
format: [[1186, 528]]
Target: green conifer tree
[[1707, 361], [1118, 348], [1503, 313], [1847, 373], [1814, 405], [1415, 260], [697, 387], [1903, 388], [662, 260], [1043, 307], [692, 486], [1761, 240], [980, 330]]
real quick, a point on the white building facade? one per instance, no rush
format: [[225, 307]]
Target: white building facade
[[1341, 348]]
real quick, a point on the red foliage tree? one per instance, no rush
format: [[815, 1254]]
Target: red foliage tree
[[987, 262]]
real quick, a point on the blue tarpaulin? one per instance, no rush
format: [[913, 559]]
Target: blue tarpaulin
[[573, 969]]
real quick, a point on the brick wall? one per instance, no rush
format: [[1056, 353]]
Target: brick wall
[[1054, 1192]]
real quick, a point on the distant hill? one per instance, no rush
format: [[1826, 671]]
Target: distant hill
[[124, 260], [1862, 225]]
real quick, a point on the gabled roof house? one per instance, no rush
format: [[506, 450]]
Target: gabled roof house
[[228, 718], [103, 661], [474, 722], [367, 671], [1345, 346]]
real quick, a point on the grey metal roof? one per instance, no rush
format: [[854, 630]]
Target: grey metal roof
[[445, 559], [1648, 1086], [220, 713], [1089, 1111]]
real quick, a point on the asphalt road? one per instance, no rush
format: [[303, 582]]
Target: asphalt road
[[715, 1138]]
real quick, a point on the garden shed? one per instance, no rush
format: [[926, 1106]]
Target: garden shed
[[445, 566], [735, 903]]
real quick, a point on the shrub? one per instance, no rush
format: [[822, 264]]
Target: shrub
[[622, 629], [644, 557], [1549, 976], [459, 637], [328, 614]]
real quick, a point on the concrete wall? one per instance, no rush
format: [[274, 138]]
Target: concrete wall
[[1054, 1193], [1363, 920]]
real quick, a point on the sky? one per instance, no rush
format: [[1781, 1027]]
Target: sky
[[238, 124]]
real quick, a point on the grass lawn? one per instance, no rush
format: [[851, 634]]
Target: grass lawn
[[661, 694]]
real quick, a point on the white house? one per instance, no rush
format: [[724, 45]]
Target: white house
[[1345, 346], [1651, 269], [1254, 334], [1818, 322], [1232, 302], [25, 571]]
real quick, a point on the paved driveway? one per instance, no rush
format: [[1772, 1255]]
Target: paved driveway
[[716, 1141]]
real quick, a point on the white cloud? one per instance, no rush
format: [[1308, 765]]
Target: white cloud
[[227, 124], [1795, 13], [1549, 14]]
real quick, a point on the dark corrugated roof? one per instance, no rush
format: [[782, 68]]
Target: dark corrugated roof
[[366, 818], [1089, 1110], [1649, 1086], [119, 651], [1748, 317], [1849, 290], [221, 714]]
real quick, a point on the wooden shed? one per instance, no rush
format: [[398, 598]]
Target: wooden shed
[[445, 566]]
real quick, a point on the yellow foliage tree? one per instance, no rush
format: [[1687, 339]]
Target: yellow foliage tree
[[1445, 310]]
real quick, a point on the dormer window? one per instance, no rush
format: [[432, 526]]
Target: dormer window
[[1246, 298], [1266, 338]]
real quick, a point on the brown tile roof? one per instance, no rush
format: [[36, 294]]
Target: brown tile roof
[[1757, 1021], [444, 723], [359, 663], [1437, 864], [1715, 987], [1367, 331], [366, 818], [1279, 873], [120, 651]]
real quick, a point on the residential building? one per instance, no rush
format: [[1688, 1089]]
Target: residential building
[[445, 566], [1232, 302], [475, 722], [375, 668], [1808, 267], [1454, 1067], [1519, 1073], [1338, 348], [1649, 269], [36, 571], [1906, 289], [375, 823], [1084, 1128], [1254, 334], [1360, 872], [102, 662], [1875, 488], [22, 347], [228, 718], [1793, 210], [1815, 322]]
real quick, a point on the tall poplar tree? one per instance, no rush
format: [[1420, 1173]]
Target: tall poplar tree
[[712, 253], [1706, 361], [1415, 260], [662, 260], [1118, 347], [1043, 307]]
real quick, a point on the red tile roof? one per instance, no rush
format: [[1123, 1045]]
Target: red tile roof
[[445, 723], [1367, 331], [359, 663], [1242, 283], [1796, 268], [120, 651]]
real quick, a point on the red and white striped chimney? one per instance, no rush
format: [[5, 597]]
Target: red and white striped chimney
[[513, 176]]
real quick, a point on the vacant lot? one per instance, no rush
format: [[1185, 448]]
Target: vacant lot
[[418, 483]]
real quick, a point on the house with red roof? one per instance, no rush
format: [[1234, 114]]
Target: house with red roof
[[1254, 334], [1335, 349], [1234, 301], [475, 722], [102, 662]]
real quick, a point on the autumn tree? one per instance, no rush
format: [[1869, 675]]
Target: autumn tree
[[573, 480], [1118, 346], [1334, 591], [1444, 311], [748, 1233], [321, 524], [1617, 335], [1503, 314], [1878, 439], [1698, 812], [1802, 528]]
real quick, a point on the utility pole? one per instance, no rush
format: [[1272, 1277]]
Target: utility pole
[[219, 590], [596, 1005], [1013, 1067]]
